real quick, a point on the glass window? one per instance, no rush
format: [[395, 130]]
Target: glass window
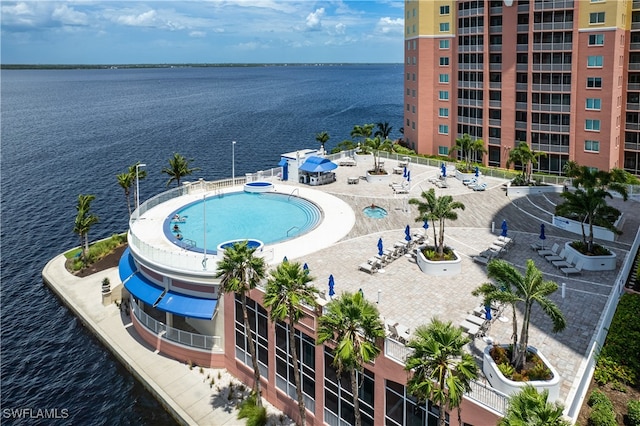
[[443, 112], [594, 82], [592, 146], [443, 95], [444, 78], [593, 125], [443, 129], [443, 150], [444, 10], [596, 18], [593, 103], [596, 39], [594, 61], [444, 44], [444, 27], [444, 60]]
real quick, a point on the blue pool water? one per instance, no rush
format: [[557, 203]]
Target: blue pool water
[[266, 217], [375, 212]]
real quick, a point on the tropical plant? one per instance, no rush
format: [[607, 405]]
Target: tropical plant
[[477, 147], [526, 157], [286, 290], [354, 325], [125, 180], [384, 130], [361, 134], [377, 144], [437, 208], [240, 271], [532, 408], [345, 145], [588, 199], [440, 369], [322, 137], [84, 221], [521, 292], [178, 168]]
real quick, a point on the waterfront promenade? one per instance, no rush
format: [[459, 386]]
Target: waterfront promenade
[[401, 292]]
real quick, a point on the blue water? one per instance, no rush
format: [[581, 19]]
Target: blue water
[[70, 132], [269, 218]]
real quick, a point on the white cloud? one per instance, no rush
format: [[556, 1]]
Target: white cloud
[[314, 20], [340, 28], [388, 25], [197, 34], [69, 16], [145, 19]]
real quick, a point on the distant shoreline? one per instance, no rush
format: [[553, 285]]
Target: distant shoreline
[[194, 65]]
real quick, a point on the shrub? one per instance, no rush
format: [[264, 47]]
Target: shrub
[[597, 397], [499, 354], [540, 372], [609, 371], [256, 416], [623, 339], [506, 369], [601, 415], [633, 413]]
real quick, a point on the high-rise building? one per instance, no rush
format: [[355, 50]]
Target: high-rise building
[[562, 75]]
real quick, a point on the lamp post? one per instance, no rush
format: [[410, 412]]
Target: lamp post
[[233, 162], [138, 165]]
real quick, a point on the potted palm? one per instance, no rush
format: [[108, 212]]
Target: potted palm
[[510, 367], [438, 260], [378, 173]]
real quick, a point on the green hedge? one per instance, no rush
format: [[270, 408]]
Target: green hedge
[[633, 415], [602, 413]]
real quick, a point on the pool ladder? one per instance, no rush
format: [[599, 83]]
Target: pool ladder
[[292, 228], [292, 192]]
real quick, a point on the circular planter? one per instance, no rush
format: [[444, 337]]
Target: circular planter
[[509, 387], [378, 178], [591, 263], [439, 268]]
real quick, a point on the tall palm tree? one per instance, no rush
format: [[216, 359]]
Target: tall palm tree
[[125, 180], [178, 168], [377, 144], [286, 290], [441, 370], [241, 271], [521, 290], [322, 137], [362, 133], [440, 209], [354, 325], [477, 147], [384, 130], [136, 176], [531, 408], [464, 146], [526, 157], [84, 221]]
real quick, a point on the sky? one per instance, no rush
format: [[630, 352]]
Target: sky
[[202, 31]]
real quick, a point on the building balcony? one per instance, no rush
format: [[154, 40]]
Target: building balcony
[[470, 102], [495, 48], [522, 28], [523, 7], [494, 141], [495, 85], [537, 47], [633, 86], [633, 107], [630, 146], [551, 107], [545, 147], [478, 11], [552, 26], [522, 47], [635, 25], [553, 128], [470, 120], [522, 86], [553, 4], [634, 66], [521, 106], [495, 104], [495, 67], [522, 67], [495, 29], [470, 84], [634, 46], [471, 30], [471, 48], [551, 88], [494, 122], [552, 67], [472, 67], [632, 126], [635, 5], [521, 125]]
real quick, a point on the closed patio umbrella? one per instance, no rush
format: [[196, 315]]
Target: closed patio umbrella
[[542, 236], [331, 284], [380, 248], [504, 228], [407, 233], [425, 225], [305, 268]]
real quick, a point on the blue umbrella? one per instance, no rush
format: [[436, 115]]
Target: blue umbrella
[[408, 175], [425, 225], [444, 170], [305, 268], [407, 233], [477, 171], [331, 284], [487, 312], [404, 173], [284, 259], [542, 236], [380, 250], [504, 228]]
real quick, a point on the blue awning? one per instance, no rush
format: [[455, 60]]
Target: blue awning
[[143, 289], [283, 162], [187, 306], [126, 266], [318, 164]]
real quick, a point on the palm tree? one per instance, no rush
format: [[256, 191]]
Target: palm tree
[[384, 130], [125, 180], [463, 146], [377, 144], [84, 221], [526, 157], [440, 369], [362, 132], [178, 168], [440, 209], [286, 290], [241, 271], [477, 147], [354, 325], [322, 137], [513, 288], [531, 408]]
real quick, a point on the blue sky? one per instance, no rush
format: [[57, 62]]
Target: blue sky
[[214, 31]]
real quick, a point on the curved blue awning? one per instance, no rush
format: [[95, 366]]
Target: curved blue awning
[[143, 289], [188, 306], [126, 266], [318, 164]]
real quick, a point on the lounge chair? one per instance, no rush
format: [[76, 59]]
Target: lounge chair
[[566, 263], [555, 257], [573, 270], [481, 259], [552, 252], [368, 267], [474, 319], [537, 246], [471, 328], [472, 181], [480, 187]]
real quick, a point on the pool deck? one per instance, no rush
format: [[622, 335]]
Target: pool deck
[[402, 292]]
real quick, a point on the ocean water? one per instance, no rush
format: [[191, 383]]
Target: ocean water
[[70, 132]]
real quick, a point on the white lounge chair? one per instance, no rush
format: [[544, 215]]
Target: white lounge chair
[[471, 328], [573, 270], [480, 187], [552, 252], [566, 263], [367, 267], [555, 257]]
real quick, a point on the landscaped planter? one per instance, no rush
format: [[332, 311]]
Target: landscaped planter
[[439, 268], [463, 177], [509, 387], [378, 178], [591, 263], [523, 191]]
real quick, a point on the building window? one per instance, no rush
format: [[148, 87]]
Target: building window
[[404, 409], [594, 61], [593, 103], [444, 10], [444, 60], [444, 78], [596, 39], [408, 76], [285, 379], [443, 95], [258, 319], [596, 18], [443, 112], [444, 27], [443, 150], [443, 129], [444, 44], [408, 107], [592, 146], [594, 82], [408, 92], [592, 125]]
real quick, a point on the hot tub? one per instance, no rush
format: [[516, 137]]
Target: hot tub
[[252, 244], [258, 186]]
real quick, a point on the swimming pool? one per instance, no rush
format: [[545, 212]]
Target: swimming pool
[[266, 217]]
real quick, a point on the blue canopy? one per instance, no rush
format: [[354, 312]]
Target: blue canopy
[[126, 266], [143, 289], [317, 165], [283, 162], [188, 306], [285, 171]]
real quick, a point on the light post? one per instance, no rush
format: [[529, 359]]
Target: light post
[[138, 165], [233, 162]]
